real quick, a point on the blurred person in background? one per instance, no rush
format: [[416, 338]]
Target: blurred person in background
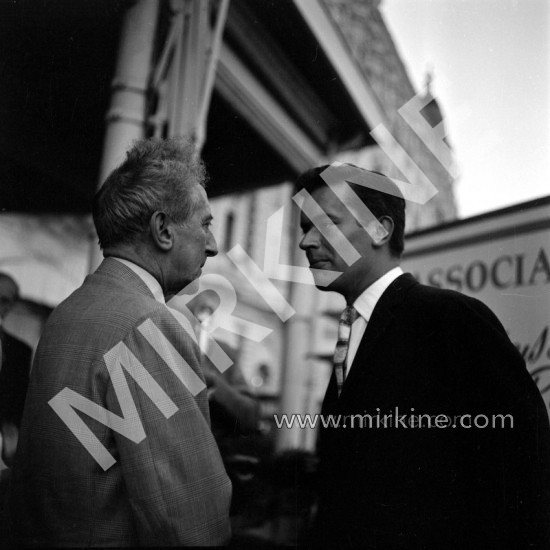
[[151, 474], [234, 410], [15, 364]]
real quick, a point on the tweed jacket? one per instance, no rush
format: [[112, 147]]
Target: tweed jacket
[[157, 478]]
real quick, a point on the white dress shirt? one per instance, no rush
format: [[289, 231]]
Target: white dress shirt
[[146, 277], [364, 304]]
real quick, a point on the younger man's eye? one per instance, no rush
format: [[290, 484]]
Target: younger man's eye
[[328, 224]]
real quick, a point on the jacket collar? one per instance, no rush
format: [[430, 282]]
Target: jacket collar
[[114, 269], [381, 318]]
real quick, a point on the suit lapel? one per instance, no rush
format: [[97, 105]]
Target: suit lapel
[[381, 319]]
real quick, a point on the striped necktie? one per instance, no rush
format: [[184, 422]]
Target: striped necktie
[[344, 329]]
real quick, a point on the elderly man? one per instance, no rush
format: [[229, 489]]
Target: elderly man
[[406, 468], [115, 447]]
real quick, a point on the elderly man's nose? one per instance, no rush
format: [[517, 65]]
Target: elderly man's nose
[[211, 246]]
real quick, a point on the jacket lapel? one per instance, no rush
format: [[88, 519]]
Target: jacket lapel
[[381, 319]]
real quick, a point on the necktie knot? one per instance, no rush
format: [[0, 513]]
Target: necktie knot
[[348, 316]]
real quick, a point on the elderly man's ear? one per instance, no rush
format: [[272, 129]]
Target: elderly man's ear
[[162, 230]]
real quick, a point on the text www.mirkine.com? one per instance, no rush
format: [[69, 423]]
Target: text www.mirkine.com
[[394, 419]]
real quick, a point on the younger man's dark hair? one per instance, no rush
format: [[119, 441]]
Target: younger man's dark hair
[[379, 203]]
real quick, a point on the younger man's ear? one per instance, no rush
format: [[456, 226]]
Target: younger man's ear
[[162, 231], [388, 225]]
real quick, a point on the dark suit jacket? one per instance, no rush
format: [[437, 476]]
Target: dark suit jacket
[[14, 378], [437, 352], [170, 488]]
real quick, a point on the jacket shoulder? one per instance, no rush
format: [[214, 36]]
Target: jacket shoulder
[[445, 302], [102, 298]]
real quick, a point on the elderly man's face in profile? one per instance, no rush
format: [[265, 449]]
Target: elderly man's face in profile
[[194, 242], [8, 296]]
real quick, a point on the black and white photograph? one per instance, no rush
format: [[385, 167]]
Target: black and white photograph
[[275, 274]]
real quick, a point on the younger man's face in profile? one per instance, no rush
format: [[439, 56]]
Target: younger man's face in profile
[[327, 258]]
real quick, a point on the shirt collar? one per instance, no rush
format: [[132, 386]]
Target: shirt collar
[[365, 302], [152, 284]]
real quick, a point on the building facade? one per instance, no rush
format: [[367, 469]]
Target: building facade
[[267, 90]]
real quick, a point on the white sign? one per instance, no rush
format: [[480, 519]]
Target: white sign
[[503, 259]]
